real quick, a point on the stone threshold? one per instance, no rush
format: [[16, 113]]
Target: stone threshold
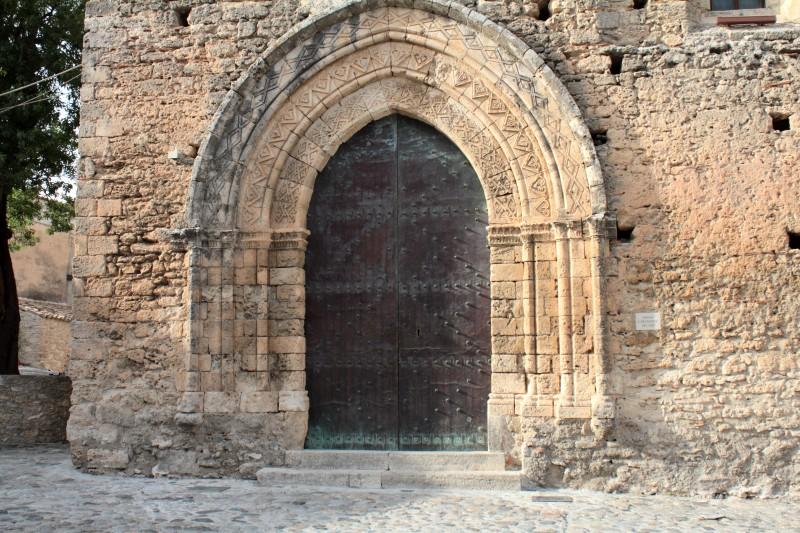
[[379, 470]]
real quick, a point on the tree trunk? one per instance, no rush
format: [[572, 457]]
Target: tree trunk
[[9, 304]]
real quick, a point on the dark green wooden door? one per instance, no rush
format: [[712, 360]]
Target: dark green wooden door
[[397, 299]]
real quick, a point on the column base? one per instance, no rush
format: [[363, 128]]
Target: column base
[[536, 405], [500, 413], [570, 407]]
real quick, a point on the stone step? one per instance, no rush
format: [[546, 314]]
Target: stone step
[[384, 479], [403, 461], [459, 479], [278, 476]]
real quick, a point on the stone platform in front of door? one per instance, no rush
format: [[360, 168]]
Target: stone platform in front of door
[[392, 469]]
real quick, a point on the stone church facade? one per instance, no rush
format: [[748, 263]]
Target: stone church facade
[[639, 168]]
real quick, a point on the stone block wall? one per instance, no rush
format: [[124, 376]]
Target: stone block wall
[[703, 185], [45, 334], [35, 409]]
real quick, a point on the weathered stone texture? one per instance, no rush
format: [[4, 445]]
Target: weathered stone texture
[[188, 348], [35, 409]]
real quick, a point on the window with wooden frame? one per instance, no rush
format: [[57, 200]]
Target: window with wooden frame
[[732, 5]]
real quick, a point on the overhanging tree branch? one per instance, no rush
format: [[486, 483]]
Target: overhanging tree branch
[[40, 42]]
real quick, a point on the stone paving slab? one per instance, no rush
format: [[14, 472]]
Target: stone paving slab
[[40, 491]]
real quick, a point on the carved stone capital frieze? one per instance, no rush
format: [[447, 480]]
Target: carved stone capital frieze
[[504, 235], [290, 240], [531, 233]]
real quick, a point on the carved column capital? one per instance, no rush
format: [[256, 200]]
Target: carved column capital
[[290, 240], [504, 235], [531, 233], [602, 225], [568, 229]]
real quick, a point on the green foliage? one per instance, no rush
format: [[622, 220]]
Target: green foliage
[[21, 207], [38, 39], [26, 207]]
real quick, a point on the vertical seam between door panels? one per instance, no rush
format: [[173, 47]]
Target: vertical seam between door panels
[[397, 244]]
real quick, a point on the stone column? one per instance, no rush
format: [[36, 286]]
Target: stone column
[[573, 275], [529, 310], [508, 340], [565, 348], [601, 228], [250, 328], [226, 370], [187, 379], [538, 290], [287, 310], [582, 317], [211, 314]]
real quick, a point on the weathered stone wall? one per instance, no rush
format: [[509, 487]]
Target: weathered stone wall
[[691, 163], [41, 270], [35, 409], [45, 334]]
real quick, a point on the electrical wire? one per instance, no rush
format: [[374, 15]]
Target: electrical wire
[[40, 81], [35, 100], [41, 97]]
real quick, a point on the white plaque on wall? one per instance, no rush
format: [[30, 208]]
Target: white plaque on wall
[[648, 321]]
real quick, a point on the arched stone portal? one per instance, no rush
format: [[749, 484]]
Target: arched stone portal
[[276, 130]]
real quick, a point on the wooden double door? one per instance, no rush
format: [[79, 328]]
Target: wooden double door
[[397, 295]]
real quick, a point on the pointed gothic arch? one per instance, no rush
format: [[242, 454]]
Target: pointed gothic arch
[[523, 106], [499, 103]]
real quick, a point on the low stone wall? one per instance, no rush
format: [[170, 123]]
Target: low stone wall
[[34, 409]]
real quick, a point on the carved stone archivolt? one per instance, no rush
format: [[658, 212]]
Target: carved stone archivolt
[[373, 101], [495, 99], [474, 81]]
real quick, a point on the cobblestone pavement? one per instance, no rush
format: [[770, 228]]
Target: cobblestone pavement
[[40, 491]]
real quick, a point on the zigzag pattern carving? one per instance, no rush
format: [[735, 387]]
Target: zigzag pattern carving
[[472, 70]]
